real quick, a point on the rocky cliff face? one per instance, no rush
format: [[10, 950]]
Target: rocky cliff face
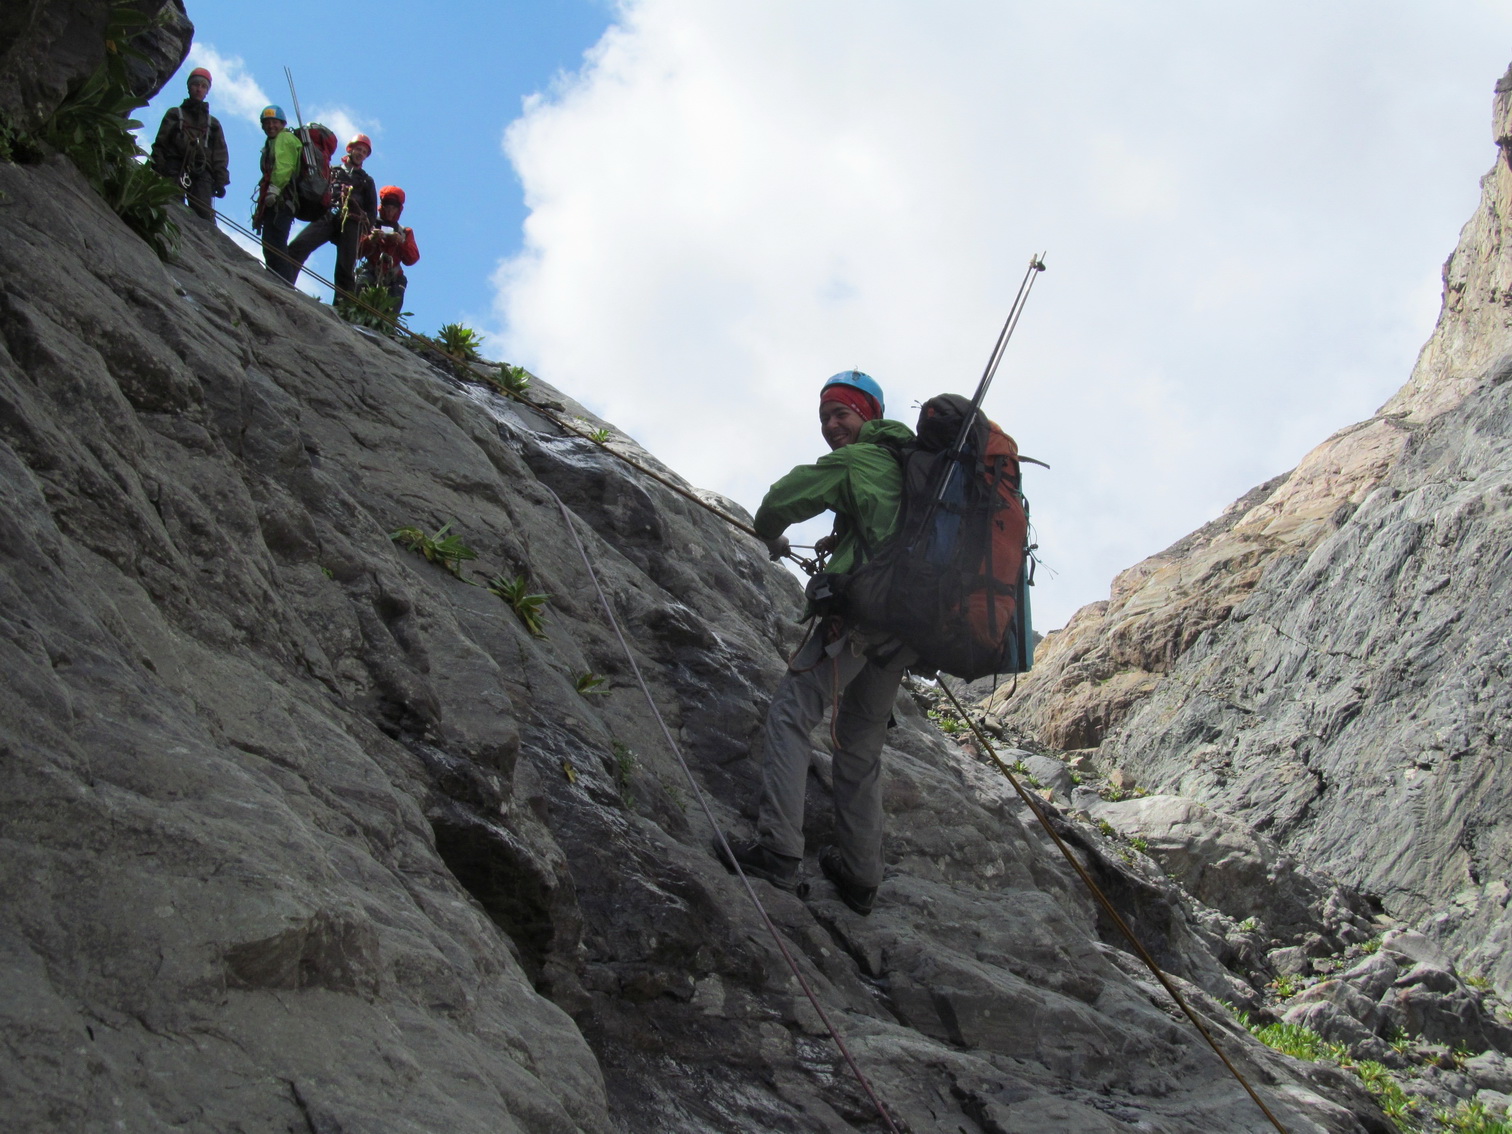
[[1326, 662], [1112, 655], [303, 831], [49, 47]]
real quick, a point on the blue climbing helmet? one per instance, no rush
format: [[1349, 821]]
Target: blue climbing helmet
[[863, 382], [272, 112]]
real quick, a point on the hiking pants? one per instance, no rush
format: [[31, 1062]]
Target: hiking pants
[[867, 690], [328, 229], [275, 242]]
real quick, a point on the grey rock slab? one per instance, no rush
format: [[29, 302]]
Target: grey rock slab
[[1051, 773], [1372, 976], [1490, 1071], [1222, 861], [1418, 948]]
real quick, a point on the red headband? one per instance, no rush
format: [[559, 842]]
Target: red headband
[[863, 403]]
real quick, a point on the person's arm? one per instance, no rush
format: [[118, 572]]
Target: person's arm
[[166, 132], [802, 494], [220, 158], [410, 253]]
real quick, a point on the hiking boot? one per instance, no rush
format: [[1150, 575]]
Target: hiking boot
[[858, 897], [781, 870]]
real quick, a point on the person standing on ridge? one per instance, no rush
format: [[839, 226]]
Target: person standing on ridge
[[388, 246], [274, 214], [861, 481], [354, 205], [190, 148]]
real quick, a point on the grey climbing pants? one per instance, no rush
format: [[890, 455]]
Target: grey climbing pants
[[866, 688]]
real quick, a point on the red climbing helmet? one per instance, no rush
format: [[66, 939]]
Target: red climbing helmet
[[391, 195], [200, 73], [361, 140]]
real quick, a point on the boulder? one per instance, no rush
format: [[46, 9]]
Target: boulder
[[1226, 864]]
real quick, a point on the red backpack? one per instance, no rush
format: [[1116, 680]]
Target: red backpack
[[312, 179], [953, 582]]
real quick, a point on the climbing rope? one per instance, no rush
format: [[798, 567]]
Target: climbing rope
[[1107, 907], [708, 811]]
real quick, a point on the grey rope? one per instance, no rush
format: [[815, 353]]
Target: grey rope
[[708, 811]]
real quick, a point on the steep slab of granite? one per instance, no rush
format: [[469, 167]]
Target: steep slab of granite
[[303, 831]]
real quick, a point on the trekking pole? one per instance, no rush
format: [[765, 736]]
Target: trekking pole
[[1036, 266], [309, 145]]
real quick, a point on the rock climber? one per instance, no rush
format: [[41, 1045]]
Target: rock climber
[[190, 148], [274, 214], [861, 482], [354, 207], [389, 248]]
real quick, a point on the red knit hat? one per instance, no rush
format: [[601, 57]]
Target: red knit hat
[[863, 403]]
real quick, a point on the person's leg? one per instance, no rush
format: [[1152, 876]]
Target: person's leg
[[201, 190], [861, 729], [312, 236], [396, 289], [275, 243], [798, 705], [346, 257]]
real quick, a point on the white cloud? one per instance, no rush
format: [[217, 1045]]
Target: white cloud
[[1244, 207], [346, 122], [232, 87]]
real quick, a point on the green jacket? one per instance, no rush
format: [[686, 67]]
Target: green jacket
[[283, 151], [861, 483]]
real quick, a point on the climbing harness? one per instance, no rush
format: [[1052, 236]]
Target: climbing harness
[[1107, 907], [726, 852]]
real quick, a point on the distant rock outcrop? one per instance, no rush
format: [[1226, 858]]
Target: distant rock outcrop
[[1328, 662]]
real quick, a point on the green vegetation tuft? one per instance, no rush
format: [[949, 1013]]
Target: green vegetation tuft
[[1300, 1042], [93, 127], [372, 307], [1140, 844], [1472, 1117], [1285, 986], [590, 683], [626, 764], [460, 341], [599, 436], [529, 608], [512, 380], [447, 550]]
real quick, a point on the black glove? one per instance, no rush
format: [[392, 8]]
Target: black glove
[[221, 192]]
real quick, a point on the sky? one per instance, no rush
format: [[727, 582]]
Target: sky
[[687, 215]]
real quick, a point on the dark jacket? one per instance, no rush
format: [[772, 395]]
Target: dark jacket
[[189, 140], [361, 194], [862, 483]]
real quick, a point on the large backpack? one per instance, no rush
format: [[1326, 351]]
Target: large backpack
[[953, 583], [311, 183]]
